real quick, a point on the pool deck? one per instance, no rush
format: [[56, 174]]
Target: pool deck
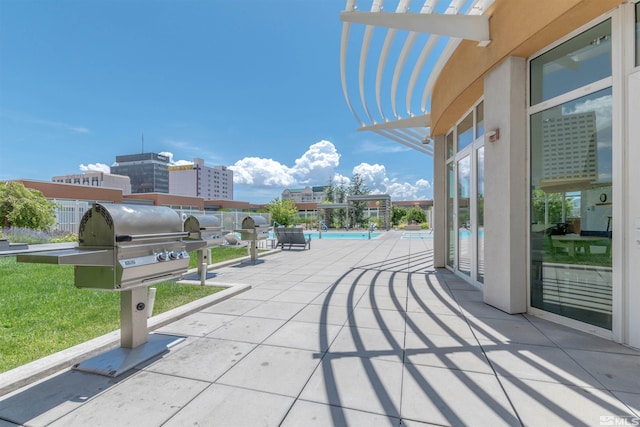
[[351, 332]]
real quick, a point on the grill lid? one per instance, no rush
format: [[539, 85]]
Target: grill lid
[[110, 224]]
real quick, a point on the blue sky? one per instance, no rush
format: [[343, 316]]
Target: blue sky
[[254, 85]]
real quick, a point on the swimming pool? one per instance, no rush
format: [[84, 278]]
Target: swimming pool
[[337, 235]]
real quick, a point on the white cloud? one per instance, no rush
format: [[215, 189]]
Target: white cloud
[[316, 167], [317, 164], [374, 176], [99, 167], [376, 179], [262, 172]]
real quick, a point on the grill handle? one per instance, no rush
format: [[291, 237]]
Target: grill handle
[[162, 236]]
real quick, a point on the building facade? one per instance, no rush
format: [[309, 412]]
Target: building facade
[[307, 194], [533, 129], [149, 172], [198, 180], [96, 179]]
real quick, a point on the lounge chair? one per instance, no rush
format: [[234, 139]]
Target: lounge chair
[[292, 237]]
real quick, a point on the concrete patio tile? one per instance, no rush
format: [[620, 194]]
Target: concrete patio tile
[[339, 299], [541, 403], [508, 331], [438, 324], [534, 362], [247, 329], [480, 309], [259, 294], [371, 343], [341, 289], [454, 398], [467, 295], [202, 359], [567, 337], [632, 400], [273, 369], [323, 314], [617, 372], [445, 352], [275, 284], [294, 295], [304, 336], [233, 306], [221, 405], [377, 319], [131, 403], [318, 287], [433, 305], [198, 324], [384, 302], [357, 383], [276, 310], [55, 396], [310, 414], [412, 423]]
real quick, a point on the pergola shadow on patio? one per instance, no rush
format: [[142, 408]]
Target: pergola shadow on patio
[[352, 333]]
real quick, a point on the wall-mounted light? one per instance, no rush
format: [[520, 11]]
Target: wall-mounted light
[[493, 135], [427, 141]]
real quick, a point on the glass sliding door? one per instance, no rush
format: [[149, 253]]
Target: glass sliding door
[[451, 238], [480, 214], [464, 216], [571, 204]]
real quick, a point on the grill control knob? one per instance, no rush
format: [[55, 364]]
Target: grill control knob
[[174, 255], [162, 256]]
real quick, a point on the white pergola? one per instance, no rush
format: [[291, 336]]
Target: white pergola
[[456, 20]]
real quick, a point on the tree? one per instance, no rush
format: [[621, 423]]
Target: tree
[[24, 207], [416, 214], [282, 211], [547, 208], [357, 188], [397, 214]]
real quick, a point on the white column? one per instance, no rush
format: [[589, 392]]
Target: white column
[[506, 192], [439, 202]]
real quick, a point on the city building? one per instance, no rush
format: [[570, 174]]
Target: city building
[[198, 180], [149, 172], [307, 194], [529, 110], [96, 179]]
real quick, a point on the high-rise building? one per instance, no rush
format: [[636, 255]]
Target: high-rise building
[[198, 180], [149, 172]]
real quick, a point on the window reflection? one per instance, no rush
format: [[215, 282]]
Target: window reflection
[[465, 132], [584, 59], [571, 209], [464, 215]]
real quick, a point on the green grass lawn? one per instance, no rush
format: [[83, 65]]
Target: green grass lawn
[[42, 312]]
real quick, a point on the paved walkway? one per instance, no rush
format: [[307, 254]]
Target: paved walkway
[[359, 333]]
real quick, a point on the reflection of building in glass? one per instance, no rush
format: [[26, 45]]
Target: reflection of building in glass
[[569, 149]]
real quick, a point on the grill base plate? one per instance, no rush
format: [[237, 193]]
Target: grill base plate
[[115, 362]]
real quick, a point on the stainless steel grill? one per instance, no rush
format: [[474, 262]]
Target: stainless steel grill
[[126, 248], [254, 228], [206, 228]]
